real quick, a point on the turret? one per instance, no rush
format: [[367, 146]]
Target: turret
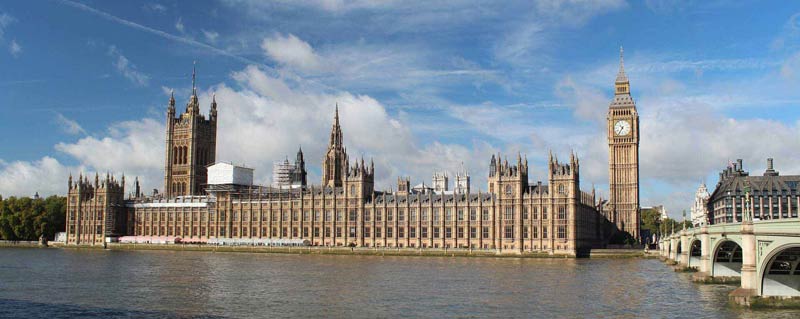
[[509, 179], [462, 181], [492, 166], [358, 180], [299, 174], [403, 185], [171, 104], [440, 182], [137, 189], [213, 113]]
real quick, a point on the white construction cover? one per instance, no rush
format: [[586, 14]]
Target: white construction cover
[[225, 173]]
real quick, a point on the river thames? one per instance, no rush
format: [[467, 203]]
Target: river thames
[[67, 283]]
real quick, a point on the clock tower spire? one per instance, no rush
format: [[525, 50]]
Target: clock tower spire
[[623, 156], [621, 84]]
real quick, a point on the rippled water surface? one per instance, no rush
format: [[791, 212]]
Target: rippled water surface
[[65, 283]]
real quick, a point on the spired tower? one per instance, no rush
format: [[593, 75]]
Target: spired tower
[[190, 146], [299, 172], [335, 163], [462, 181], [440, 182], [508, 180], [623, 156]]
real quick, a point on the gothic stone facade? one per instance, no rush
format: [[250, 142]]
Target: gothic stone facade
[[96, 210], [191, 145], [346, 210]]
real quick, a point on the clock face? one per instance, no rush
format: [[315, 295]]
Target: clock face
[[622, 128]]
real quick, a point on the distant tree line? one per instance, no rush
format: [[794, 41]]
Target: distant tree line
[[25, 218], [652, 222]]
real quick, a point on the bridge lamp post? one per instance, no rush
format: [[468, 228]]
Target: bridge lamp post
[[748, 244], [684, 240]]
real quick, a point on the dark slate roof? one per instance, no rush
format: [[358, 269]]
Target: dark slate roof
[[539, 189], [622, 101], [734, 181]]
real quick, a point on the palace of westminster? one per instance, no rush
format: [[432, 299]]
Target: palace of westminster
[[203, 202]]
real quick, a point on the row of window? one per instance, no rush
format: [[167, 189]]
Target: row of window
[[435, 232], [86, 229], [98, 215], [368, 214]]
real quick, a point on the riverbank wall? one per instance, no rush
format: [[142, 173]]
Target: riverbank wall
[[19, 244], [310, 250]]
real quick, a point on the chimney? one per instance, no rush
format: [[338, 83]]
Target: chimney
[[770, 169], [739, 165]]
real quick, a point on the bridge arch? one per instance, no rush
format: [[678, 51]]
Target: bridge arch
[[695, 252], [780, 271], [726, 259]]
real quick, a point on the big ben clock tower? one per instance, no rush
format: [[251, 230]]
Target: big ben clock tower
[[623, 156]]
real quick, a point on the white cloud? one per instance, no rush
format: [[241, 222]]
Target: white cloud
[[69, 126], [126, 68], [210, 36], [527, 42], [131, 146], [14, 48], [521, 43], [46, 176], [685, 138], [160, 33], [283, 117], [292, 51], [5, 20], [179, 25], [155, 7], [587, 102]]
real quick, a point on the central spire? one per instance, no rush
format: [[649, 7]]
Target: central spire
[[621, 84], [194, 72], [193, 107], [336, 130], [334, 167], [621, 76]]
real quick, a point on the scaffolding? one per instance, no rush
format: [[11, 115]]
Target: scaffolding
[[282, 174]]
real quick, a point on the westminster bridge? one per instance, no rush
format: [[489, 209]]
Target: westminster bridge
[[765, 255]]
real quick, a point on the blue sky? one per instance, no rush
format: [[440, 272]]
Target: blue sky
[[422, 86]]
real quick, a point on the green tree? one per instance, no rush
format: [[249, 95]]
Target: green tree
[[27, 218]]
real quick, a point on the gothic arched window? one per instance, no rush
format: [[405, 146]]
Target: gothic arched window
[[509, 190]]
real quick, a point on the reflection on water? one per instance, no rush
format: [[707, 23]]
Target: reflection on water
[[90, 283]]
